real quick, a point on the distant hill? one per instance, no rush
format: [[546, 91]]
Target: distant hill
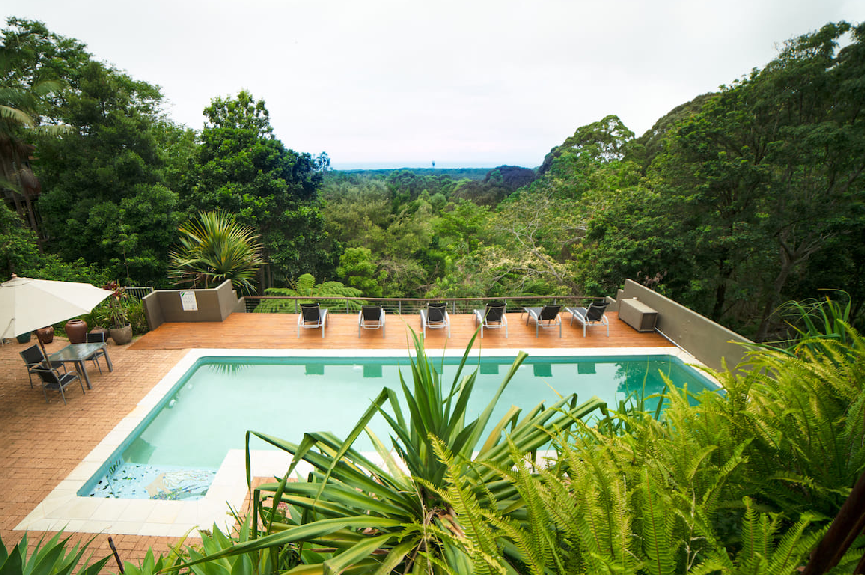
[[454, 173]]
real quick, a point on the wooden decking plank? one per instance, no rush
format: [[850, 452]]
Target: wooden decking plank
[[279, 331]]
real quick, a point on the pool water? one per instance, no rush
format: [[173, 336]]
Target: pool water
[[176, 452]]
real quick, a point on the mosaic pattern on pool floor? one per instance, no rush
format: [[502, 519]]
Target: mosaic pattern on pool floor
[[141, 481]]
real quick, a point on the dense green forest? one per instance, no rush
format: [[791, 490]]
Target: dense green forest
[[731, 204]]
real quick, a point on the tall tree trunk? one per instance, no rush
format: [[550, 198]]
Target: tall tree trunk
[[790, 258], [725, 270]]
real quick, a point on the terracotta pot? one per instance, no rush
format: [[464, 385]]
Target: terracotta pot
[[76, 330], [122, 335], [45, 334]]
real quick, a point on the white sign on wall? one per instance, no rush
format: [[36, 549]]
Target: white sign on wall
[[188, 301]]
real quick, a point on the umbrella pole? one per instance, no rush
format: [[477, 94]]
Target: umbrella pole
[[44, 352]]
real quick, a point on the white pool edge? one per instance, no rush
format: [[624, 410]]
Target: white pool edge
[[64, 509]]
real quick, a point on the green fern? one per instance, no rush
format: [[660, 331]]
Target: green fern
[[305, 287]]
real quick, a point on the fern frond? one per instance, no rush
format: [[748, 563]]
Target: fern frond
[[657, 530]]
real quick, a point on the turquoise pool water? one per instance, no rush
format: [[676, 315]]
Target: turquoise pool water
[[177, 449]]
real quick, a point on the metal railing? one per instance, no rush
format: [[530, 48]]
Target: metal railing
[[337, 304], [138, 292]]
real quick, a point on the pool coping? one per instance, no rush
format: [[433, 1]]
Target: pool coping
[[64, 509]]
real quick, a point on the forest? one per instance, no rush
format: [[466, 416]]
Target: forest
[[732, 204]]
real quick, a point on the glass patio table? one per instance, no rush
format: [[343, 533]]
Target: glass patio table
[[78, 353]]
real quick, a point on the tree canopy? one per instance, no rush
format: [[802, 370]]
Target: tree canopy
[[731, 204]]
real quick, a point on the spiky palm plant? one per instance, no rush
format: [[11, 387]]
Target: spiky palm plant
[[215, 248], [355, 515]]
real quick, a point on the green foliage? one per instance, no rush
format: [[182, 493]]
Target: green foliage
[[18, 244], [48, 558], [358, 271], [215, 248], [815, 320], [745, 189], [306, 288], [242, 169], [214, 542], [115, 312], [105, 197], [19, 254]]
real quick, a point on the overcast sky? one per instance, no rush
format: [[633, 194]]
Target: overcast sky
[[468, 83]]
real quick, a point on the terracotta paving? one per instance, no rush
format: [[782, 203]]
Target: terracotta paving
[[42, 442]]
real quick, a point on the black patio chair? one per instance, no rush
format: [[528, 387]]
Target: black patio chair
[[592, 315], [34, 358], [54, 380], [492, 317], [546, 317], [435, 316], [97, 337], [311, 317], [370, 317]]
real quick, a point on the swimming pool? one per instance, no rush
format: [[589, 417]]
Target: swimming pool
[[176, 450]]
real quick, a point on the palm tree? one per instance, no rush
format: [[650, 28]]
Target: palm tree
[[19, 105], [215, 248]]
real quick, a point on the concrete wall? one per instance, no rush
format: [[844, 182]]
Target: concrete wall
[[216, 304], [701, 337]]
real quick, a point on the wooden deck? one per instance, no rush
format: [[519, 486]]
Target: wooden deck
[[279, 331]]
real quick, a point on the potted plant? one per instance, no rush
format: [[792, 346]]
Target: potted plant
[[121, 329], [45, 334]]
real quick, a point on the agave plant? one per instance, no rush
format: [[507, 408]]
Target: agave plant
[[352, 514], [215, 248], [213, 542], [48, 558]]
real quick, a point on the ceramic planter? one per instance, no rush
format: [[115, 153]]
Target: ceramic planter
[[121, 335], [45, 334], [76, 330]]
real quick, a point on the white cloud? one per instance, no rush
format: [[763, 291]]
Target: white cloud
[[477, 82]]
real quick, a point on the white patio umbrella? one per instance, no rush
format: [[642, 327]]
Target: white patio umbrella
[[27, 304]]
